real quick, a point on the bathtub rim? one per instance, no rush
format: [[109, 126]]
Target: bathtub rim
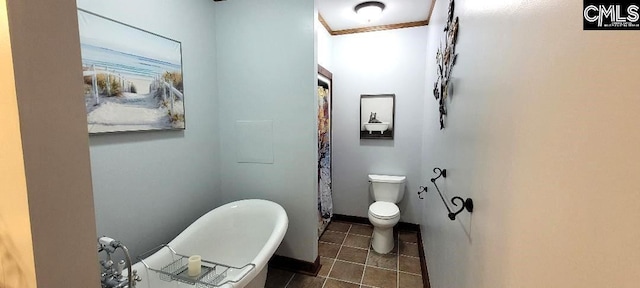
[[261, 259], [277, 235]]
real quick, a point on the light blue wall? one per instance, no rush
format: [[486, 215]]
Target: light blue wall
[[377, 63], [267, 71], [148, 186]]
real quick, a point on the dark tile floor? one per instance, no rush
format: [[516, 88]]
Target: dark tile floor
[[348, 261]]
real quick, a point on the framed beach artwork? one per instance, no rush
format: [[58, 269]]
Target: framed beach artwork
[[132, 77], [377, 116]]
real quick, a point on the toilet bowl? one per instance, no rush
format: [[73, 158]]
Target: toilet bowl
[[383, 215]]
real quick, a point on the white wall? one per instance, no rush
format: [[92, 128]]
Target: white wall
[[324, 46], [385, 62], [267, 71], [543, 133], [149, 186]]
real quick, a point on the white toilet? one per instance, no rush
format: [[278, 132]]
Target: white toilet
[[384, 213]]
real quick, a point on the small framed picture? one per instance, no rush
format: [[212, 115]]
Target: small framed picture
[[377, 116]]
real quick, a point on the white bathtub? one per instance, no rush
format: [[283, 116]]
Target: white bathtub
[[235, 234], [376, 127]]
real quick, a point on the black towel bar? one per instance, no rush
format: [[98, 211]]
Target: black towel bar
[[466, 204]]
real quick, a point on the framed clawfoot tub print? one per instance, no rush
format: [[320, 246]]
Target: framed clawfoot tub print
[[377, 116]]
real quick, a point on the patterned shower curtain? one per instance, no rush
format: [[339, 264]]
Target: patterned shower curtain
[[325, 203]]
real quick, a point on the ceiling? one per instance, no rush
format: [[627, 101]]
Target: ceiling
[[340, 17]]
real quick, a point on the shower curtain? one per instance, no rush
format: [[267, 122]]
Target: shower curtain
[[325, 203]]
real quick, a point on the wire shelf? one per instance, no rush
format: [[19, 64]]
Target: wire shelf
[[212, 274]]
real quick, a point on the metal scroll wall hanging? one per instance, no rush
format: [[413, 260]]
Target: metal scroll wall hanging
[[445, 59]]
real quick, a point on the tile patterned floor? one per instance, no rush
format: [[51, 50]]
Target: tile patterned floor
[[348, 261]]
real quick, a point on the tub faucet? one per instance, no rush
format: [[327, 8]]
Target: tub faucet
[[111, 274]]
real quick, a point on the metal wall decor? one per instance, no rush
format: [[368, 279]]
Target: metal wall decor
[[446, 58]]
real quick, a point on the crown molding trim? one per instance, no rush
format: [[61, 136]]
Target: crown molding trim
[[378, 27]]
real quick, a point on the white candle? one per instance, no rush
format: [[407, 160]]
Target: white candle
[[195, 263]]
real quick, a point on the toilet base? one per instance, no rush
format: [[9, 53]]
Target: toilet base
[[382, 241]]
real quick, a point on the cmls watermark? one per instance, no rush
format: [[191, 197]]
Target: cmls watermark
[[611, 15]]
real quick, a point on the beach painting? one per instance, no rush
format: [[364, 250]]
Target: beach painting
[[132, 78]]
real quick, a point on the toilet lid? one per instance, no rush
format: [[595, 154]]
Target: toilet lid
[[384, 210]]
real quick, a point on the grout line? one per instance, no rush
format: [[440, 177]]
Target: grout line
[[366, 260], [410, 273], [372, 286], [360, 235], [363, 264], [355, 247], [329, 242], [363, 235], [398, 263], [346, 281], [294, 274], [361, 285], [409, 256], [356, 235], [335, 259], [407, 271], [409, 243], [355, 263]]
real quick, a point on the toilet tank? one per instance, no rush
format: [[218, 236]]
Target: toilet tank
[[387, 188]]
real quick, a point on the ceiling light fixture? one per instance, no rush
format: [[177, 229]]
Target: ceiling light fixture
[[370, 10]]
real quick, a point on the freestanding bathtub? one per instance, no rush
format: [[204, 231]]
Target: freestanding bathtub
[[376, 127], [244, 233]]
